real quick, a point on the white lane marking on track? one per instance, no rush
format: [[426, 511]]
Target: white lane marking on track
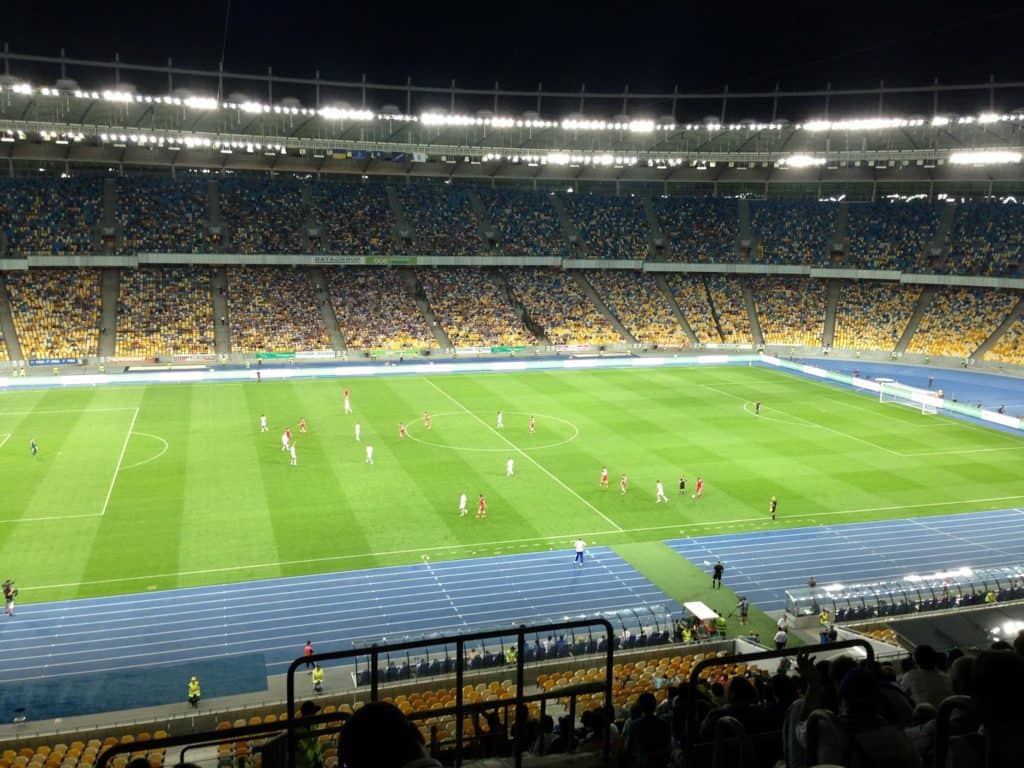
[[120, 459], [528, 457], [151, 458]]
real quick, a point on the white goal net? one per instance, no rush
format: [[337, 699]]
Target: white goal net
[[891, 391]]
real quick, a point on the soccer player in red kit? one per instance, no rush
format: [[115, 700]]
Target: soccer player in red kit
[[604, 478], [700, 487], [302, 425], [481, 507], [401, 431], [426, 420]]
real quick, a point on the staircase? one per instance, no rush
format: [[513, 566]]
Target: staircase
[[110, 286], [663, 286], [841, 235], [400, 230], [657, 240], [571, 233], [588, 290], [420, 298], [755, 324], [714, 311], [323, 302], [937, 249], [485, 229], [927, 296], [531, 325], [831, 304], [7, 325], [997, 334], [746, 228], [219, 295]]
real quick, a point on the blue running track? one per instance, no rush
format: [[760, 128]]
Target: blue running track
[[763, 565], [275, 617]]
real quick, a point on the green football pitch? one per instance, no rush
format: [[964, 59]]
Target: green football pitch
[[152, 487]]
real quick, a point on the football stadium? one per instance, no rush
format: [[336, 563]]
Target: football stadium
[[368, 424]]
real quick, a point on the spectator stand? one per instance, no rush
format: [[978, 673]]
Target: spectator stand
[[612, 227], [51, 216], [700, 229], [526, 222]]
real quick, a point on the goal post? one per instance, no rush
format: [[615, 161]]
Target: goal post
[[891, 391]]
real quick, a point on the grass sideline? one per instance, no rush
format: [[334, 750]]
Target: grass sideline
[[155, 487]]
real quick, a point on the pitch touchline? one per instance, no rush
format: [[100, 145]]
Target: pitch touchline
[[117, 469], [527, 456], [485, 544]]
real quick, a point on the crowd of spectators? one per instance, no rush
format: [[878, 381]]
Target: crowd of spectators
[[891, 235], [793, 231], [987, 239], [692, 298], [726, 293], [164, 311], [699, 229], [47, 215], [641, 307], [959, 319], [273, 309], [553, 299], [612, 227], [791, 310], [873, 314], [442, 220], [375, 311], [472, 309], [525, 221], [260, 215], [1010, 346], [56, 312], [161, 214], [354, 218]]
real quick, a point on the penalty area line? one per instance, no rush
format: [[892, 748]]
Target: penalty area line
[[528, 457]]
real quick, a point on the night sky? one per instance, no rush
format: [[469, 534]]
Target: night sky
[[651, 46]]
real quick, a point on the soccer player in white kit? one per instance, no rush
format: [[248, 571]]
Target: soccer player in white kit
[[660, 497], [294, 461], [510, 468], [462, 505], [263, 423], [284, 441], [348, 405], [501, 421], [580, 546], [369, 454], [359, 429]]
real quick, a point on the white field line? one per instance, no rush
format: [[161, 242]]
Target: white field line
[[4, 437], [117, 469], [68, 410], [527, 456], [151, 458], [483, 545]]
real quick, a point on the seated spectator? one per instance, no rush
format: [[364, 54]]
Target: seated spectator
[[378, 735], [926, 684], [648, 738], [741, 703]]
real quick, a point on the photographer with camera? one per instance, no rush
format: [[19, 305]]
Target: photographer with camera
[[10, 592]]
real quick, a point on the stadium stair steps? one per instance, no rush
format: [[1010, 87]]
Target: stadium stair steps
[[485, 228], [657, 240], [840, 236], [745, 229], [997, 334], [531, 325], [591, 293], [401, 231], [711, 305], [7, 325], [219, 296], [927, 296], [419, 297], [662, 284], [938, 248], [577, 245], [755, 323], [110, 287], [323, 301], [831, 303]]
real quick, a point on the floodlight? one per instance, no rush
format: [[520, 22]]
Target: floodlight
[[985, 157], [801, 161]]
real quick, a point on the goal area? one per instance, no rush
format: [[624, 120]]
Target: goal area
[[926, 401]]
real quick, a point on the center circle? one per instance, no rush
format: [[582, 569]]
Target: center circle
[[515, 431]]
